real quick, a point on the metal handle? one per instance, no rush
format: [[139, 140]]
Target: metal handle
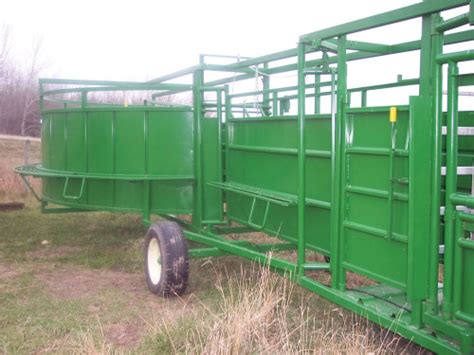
[[72, 197], [252, 209]]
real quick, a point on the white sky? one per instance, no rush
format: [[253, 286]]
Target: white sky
[[137, 40], [140, 40]]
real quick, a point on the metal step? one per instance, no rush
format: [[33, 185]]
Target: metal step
[[462, 131], [462, 170]]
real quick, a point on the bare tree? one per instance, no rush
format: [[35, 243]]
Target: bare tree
[[19, 112], [30, 116]]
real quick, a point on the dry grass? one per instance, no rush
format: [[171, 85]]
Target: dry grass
[[264, 313], [12, 187]]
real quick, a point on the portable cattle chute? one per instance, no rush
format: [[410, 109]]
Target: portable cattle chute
[[385, 192]]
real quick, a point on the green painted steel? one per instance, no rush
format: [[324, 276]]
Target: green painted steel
[[103, 158], [386, 192]]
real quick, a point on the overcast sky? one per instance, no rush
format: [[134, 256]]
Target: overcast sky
[[140, 40], [137, 40]]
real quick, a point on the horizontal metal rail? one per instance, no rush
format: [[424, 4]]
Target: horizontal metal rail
[[387, 18], [129, 87], [456, 56], [282, 89], [37, 171], [452, 23], [452, 38]]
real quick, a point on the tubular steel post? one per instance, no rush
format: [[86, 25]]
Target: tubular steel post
[[198, 81], [317, 97], [420, 180], [457, 253], [275, 103], [84, 99], [266, 93], [301, 159], [227, 103], [338, 274], [220, 169], [393, 143], [451, 187], [363, 98], [436, 173]]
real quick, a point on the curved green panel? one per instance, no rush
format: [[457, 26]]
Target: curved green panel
[[116, 150]]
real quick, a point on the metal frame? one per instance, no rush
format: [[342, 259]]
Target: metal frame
[[441, 325]]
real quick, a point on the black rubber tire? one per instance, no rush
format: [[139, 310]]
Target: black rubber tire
[[174, 259]]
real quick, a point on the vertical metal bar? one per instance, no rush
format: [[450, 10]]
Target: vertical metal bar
[[146, 183], [65, 137], [393, 137], [114, 162], [266, 94], [86, 150], [301, 160], [50, 141], [317, 96], [84, 99], [457, 281], [437, 46], [338, 279], [228, 103], [420, 181], [198, 80], [363, 98], [219, 148], [228, 115], [471, 12], [145, 141], [451, 187], [275, 104]]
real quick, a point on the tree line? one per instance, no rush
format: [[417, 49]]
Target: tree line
[[19, 110]]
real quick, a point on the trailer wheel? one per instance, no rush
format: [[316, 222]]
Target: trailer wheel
[[166, 259]]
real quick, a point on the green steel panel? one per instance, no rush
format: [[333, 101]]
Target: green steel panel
[[262, 153], [101, 193], [128, 194], [367, 210], [376, 257], [129, 144], [169, 143], [57, 141], [100, 157], [369, 171], [171, 197], [76, 144], [120, 142], [46, 140], [100, 142], [374, 240]]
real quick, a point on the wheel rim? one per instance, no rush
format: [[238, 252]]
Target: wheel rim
[[154, 261]]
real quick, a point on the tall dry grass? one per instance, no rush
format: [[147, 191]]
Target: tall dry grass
[[265, 313]]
